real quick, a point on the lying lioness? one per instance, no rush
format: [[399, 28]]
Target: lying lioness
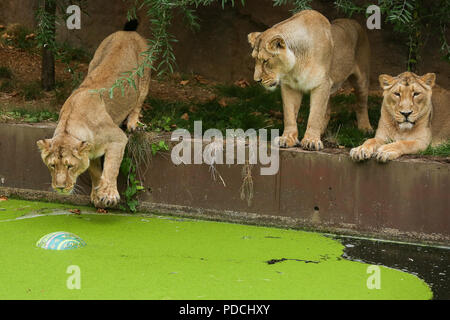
[[411, 118], [306, 53], [88, 126]]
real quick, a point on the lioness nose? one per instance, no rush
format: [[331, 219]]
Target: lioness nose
[[406, 114]]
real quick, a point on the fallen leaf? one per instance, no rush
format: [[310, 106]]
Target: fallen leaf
[[212, 97], [201, 80], [185, 117], [276, 114], [223, 102], [147, 107], [101, 210], [184, 82], [243, 83], [3, 199], [76, 211]]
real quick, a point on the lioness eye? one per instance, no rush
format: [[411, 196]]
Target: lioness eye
[[415, 94], [397, 94], [69, 166], [52, 166]]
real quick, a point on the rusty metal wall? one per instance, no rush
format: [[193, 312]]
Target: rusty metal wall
[[405, 199]]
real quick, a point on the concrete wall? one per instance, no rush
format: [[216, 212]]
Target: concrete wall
[[220, 50], [405, 199]]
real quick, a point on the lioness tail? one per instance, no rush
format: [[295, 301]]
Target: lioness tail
[[131, 25]]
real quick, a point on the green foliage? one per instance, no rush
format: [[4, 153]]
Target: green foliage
[[160, 146], [254, 107], [46, 29], [29, 116], [162, 124], [298, 4], [141, 146], [442, 150], [248, 108], [128, 169], [416, 20]]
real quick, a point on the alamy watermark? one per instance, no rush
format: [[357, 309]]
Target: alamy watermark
[[374, 20], [240, 147], [74, 280], [74, 19], [374, 280]]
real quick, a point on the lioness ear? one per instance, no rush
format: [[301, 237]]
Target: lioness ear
[[84, 146], [276, 44], [386, 81], [429, 79], [44, 145], [252, 38]]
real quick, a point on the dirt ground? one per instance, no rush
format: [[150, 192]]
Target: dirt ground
[[26, 68]]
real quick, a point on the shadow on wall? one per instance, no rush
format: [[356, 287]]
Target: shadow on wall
[[220, 50]]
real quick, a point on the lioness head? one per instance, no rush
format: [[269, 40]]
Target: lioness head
[[66, 158], [272, 56], [407, 97]]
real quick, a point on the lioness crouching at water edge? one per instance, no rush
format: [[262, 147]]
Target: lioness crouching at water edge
[[412, 116], [88, 126], [306, 53]]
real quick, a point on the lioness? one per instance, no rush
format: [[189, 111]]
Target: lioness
[[306, 53], [88, 126], [411, 118]]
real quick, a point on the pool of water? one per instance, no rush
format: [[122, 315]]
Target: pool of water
[[157, 257], [431, 264]]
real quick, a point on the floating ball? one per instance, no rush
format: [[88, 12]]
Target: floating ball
[[60, 241]]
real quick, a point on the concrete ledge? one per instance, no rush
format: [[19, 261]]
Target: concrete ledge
[[404, 200]]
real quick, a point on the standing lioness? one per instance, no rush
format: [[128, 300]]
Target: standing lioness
[[88, 126], [306, 53]]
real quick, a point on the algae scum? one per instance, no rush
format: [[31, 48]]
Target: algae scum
[[154, 257]]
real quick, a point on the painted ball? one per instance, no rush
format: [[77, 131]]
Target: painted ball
[[60, 241]]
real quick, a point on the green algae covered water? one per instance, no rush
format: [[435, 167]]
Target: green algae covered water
[[153, 257]]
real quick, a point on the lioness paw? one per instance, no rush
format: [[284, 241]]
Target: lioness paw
[[288, 141], [135, 125], [314, 144], [105, 196], [386, 153], [361, 153]]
